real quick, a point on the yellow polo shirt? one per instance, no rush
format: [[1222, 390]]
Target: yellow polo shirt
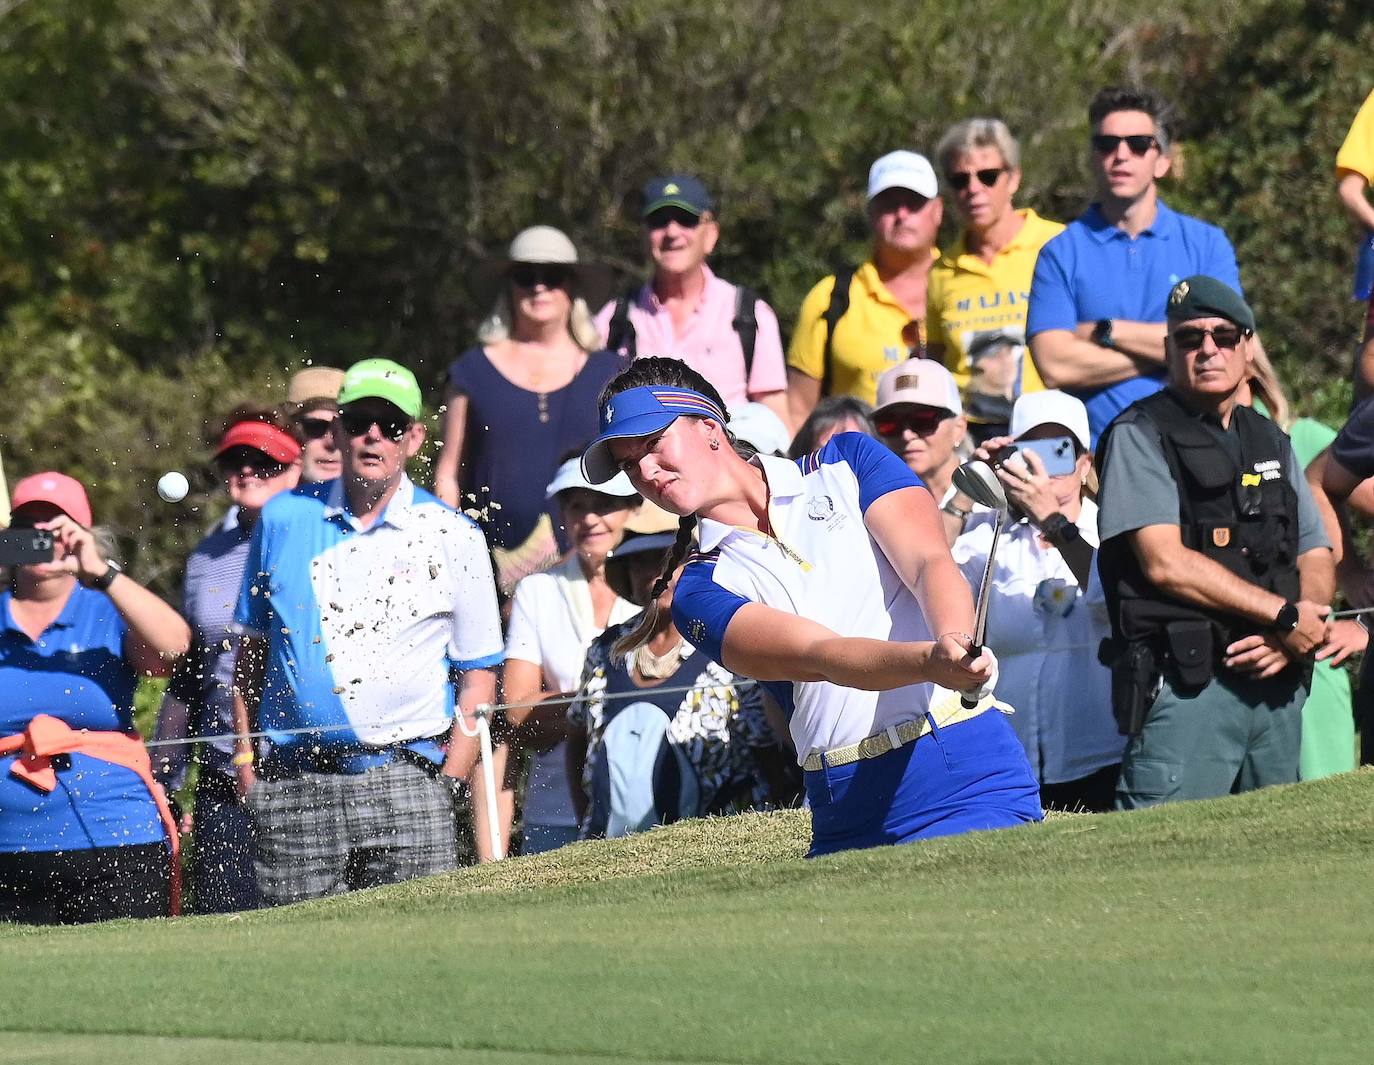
[[967, 296], [868, 339], [1357, 153]]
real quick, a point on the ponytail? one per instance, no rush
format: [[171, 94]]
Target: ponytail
[[649, 619]]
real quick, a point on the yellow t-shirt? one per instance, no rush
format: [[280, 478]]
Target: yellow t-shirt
[[867, 341], [967, 297], [1357, 153]]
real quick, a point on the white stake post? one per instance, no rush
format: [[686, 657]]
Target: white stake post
[[489, 779]]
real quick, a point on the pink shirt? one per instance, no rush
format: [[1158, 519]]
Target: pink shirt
[[708, 342]]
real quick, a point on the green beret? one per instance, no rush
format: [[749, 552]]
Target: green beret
[[1200, 296]]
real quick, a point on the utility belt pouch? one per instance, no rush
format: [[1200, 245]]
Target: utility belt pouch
[[1135, 683], [1191, 651]]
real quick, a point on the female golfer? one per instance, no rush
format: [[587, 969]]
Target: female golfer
[[828, 579]]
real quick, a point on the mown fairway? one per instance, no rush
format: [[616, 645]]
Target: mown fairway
[[1235, 931]]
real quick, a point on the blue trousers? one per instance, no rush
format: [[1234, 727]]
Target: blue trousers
[[960, 778]]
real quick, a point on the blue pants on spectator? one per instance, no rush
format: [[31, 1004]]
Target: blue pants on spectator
[[960, 778], [222, 874]]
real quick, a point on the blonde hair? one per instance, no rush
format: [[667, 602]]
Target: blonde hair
[[496, 327], [977, 133], [1264, 385]]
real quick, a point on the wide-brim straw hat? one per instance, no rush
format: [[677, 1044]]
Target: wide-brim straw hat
[[547, 245]]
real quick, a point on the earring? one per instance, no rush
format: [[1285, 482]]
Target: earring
[[714, 444]]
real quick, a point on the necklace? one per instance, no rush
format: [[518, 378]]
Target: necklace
[[656, 667]]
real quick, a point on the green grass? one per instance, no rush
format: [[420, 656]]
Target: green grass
[[1231, 931]]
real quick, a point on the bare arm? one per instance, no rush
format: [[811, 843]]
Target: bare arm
[[1069, 359], [803, 393], [446, 485], [542, 721], [250, 665], [1351, 189], [476, 686]]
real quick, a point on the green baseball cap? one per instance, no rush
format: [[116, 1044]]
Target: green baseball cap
[[382, 379], [1200, 296]]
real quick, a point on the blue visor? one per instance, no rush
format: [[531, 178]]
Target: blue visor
[[640, 412]]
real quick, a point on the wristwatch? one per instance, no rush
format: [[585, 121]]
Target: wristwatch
[[99, 584], [1286, 620], [1058, 529], [1102, 334], [955, 511]]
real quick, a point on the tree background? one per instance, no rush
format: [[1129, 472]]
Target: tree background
[[197, 197]]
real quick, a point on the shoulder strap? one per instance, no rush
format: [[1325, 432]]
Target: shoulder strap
[[746, 324], [839, 304], [620, 333]]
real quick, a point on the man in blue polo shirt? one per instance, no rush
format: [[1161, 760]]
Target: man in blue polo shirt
[[1096, 316], [360, 596]]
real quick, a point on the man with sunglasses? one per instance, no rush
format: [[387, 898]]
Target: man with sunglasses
[[726, 333], [857, 324], [257, 457], [1216, 568], [360, 596], [979, 289], [920, 417], [1096, 316], [311, 400]]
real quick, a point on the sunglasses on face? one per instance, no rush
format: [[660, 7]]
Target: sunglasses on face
[[315, 428], [1138, 143], [660, 218], [922, 421], [357, 423], [531, 275], [261, 466], [1190, 338], [960, 179]]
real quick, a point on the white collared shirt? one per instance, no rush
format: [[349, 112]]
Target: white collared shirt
[[821, 564]]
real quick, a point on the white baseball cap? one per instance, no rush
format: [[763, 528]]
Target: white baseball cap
[[1051, 407], [760, 428], [903, 170], [922, 381], [569, 475]]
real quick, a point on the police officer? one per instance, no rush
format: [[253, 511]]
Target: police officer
[[1216, 568]]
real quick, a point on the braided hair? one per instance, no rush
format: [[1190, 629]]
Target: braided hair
[[671, 373]]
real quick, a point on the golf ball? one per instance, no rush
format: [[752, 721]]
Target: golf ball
[[172, 487]]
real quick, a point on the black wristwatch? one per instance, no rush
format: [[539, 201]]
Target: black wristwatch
[[1058, 529], [99, 584], [1102, 334], [1286, 620]]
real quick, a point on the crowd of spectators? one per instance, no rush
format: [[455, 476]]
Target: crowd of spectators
[[1160, 602]]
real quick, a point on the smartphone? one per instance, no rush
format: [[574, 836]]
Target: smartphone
[[1057, 453], [22, 547]]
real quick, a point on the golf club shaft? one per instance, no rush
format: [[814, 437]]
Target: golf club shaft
[[980, 617]]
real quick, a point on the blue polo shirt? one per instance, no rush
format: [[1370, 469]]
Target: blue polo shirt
[[364, 624], [75, 671], [1093, 270]]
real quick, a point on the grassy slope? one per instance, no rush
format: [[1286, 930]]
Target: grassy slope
[[1228, 931]]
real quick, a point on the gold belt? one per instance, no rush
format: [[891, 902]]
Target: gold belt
[[947, 708]]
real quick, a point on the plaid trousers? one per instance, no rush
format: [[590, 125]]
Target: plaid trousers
[[324, 834]]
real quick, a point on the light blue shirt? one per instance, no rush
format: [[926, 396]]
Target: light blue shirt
[[1093, 270]]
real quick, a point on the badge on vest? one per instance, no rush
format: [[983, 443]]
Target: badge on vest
[[1249, 480], [1221, 537]]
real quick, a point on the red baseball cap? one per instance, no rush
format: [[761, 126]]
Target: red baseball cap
[[271, 441], [63, 492]]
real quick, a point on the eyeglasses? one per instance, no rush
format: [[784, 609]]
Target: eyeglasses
[[259, 465], [1138, 143], [315, 428], [530, 275], [1190, 337], [357, 423], [920, 420], [660, 218], [959, 180]]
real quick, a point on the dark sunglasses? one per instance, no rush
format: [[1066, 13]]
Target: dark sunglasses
[[660, 218], [1190, 337], [391, 426], [959, 180], [1138, 143], [920, 420], [315, 428], [236, 460], [531, 275]]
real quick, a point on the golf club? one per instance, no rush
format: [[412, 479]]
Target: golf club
[[979, 482]]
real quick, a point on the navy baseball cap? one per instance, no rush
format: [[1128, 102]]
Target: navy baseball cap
[[639, 412], [677, 190]]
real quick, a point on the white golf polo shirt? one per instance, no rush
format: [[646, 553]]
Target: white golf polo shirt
[[821, 563]]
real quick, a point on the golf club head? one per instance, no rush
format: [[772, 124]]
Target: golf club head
[[977, 480]]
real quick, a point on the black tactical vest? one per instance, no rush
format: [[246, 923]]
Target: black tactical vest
[[1244, 517]]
